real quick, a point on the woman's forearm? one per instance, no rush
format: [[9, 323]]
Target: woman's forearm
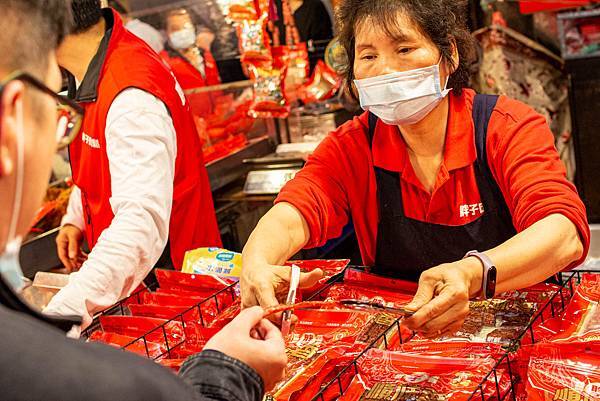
[[533, 255], [280, 234]]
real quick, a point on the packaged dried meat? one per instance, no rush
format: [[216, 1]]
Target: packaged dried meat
[[295, 58], [307, 384], [133, 344], [269, 99], [322, 85], [454, 349], [564, 372], [387, 298], [386, 375], [155, 330], [254, 42], [158, 311]]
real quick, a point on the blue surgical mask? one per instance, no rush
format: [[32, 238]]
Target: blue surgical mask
[[10, 267]]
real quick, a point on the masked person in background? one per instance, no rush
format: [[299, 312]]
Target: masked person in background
[[430, 172], [188, 54], [37, 360], [139, 28], [142, 194]]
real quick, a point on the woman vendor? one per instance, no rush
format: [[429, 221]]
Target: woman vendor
[[461, 192]]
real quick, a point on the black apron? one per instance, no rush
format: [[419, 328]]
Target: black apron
[[407, 247]]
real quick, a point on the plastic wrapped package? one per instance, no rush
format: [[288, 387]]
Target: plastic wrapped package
[[564, 372], [240, 10], [171, 279], [133, 344], [254, 42], [150, 328], [396, 376], [323, 85], [269, 98]]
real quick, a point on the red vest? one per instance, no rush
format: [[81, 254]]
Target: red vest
[[189, 77], [130, 63]]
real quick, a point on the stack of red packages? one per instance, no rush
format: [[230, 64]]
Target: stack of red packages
[[171, 322], [390, 375], [565, 363]]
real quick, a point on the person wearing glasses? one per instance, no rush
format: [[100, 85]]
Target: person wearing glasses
[[463, 193], [37, 360], [142, 196]]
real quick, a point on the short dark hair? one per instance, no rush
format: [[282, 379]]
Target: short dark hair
[[442, 21], [31, 29], [86, 14]]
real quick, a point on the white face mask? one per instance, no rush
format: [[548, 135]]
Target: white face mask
[[10, 267], [183, 39], [402, 98]]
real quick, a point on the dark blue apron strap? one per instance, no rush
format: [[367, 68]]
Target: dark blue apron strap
[[483, 107], [372, 125]]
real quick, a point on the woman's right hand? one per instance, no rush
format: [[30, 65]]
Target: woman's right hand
[[268, 285]]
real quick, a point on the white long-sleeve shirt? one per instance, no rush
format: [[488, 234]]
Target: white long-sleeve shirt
[[141, 146]]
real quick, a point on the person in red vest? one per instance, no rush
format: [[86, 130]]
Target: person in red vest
[[141, 188], [188, 54]]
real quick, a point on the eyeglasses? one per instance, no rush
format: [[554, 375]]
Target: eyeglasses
[[69, 113]]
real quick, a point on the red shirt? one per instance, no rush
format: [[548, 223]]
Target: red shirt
[[338, 182], [189, 77]]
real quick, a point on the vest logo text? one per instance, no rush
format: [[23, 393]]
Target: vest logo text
[[92, 142]]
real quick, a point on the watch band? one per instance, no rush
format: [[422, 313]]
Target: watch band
[[488, 282]]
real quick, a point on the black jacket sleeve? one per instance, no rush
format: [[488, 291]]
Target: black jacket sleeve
[[39, 363]]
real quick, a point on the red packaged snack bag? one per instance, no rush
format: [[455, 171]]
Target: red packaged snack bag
[[151, 328], [413, 377], [295, 58], [157, 311], [269, 99], [240, 10], [564, 372], [227, 315], [176, 280], [305, 385], [322, 85], [330, 269], [454, 349], [581, 320], [133, 344], [254, 42]]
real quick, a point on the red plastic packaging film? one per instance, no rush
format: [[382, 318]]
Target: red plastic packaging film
[[151, 328], [254, 42], [158, 311], [404, 376], [172, 279], [323, 84], [307, 384], [329, 267], [295, 59], [269, 98], [564, 372], [240, 10], [227, 315], [581, 320], [133, 344], [373, 281], [339, 292], [454, 349]]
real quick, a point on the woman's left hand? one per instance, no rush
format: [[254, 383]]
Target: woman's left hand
[[442, 299]]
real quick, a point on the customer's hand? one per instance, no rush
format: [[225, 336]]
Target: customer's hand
[[268, 285], [256, 342], [442, 300], [68, 243]]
